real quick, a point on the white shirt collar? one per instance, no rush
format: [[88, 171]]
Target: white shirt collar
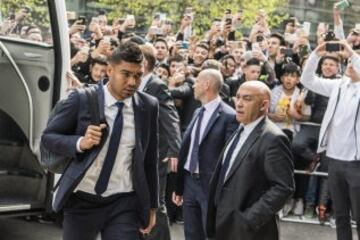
[[248, 128], [213, 104], [144, 81], [110, 100]]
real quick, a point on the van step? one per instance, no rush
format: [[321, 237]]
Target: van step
[[18, 204]]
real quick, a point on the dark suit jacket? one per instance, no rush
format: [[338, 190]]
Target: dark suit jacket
[[256, 188], [189, 103], [169, 123], [220, 127], [71, 123]]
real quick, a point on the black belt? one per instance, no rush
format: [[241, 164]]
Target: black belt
[[99, 199]]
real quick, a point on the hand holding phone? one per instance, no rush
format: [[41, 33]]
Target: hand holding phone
[[81, 20]]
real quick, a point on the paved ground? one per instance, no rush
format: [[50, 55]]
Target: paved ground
[[17, 229]]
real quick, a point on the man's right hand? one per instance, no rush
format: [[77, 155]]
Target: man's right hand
[[76, 27], [92, 137], [178, 200]]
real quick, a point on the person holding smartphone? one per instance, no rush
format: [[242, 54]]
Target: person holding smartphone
[[340, 135]]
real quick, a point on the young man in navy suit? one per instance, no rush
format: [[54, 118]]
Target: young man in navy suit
[[111, 185], [203, 141]]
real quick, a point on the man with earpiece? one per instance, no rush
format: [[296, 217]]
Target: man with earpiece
[[253, 178]]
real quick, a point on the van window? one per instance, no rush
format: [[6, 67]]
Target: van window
[[28, 21]]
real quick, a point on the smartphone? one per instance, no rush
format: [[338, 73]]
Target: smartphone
[[82, 20], [184, 45], [228, 21], [307, 28], [157, 16], [95, 20], [287, 51], [130, 17], [158, 31], [107, 39], [228, 11], [342, 4], [162, 16], [12, 16], [357, 26], [332, 47], [259, 38], [255, 46]]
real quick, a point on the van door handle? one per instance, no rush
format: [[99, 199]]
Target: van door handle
[[32, 55]]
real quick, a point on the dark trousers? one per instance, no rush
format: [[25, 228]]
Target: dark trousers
[[344, 185], [304, 149], [194, 208], [318, 190], [161, 230], [115, 217], [305, 143], [174, 212]]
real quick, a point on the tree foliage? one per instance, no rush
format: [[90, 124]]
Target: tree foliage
[[39, 14], [206, 10]]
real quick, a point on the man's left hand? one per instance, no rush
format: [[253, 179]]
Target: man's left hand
[[152, 222]]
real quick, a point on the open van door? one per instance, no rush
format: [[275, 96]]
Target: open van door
[[34, 56]]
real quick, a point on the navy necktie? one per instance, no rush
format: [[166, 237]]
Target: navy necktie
[[194, 159], [102, 182], [226, 163]]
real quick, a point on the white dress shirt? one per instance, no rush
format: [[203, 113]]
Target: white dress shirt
[[121, 177], [210, 108], [337, 133], [248, 129]]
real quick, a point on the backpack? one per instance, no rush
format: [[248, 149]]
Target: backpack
[[57, 163]]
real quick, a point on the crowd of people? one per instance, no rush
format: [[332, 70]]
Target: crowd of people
[[187, 73]]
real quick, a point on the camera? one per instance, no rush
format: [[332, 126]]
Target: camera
[[287, 51], [329, 36], [220, 42]]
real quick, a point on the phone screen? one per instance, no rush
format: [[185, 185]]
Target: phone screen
[[332, 47]]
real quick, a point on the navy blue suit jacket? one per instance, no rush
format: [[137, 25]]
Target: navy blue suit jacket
[[220, 127], [71, 122]]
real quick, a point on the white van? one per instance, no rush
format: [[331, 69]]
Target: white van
[[34, 56]]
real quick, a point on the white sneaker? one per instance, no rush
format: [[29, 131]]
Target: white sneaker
[[299, 207], [332, 222]]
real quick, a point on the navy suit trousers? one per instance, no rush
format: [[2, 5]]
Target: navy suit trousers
[[194, 208], [115, 217]]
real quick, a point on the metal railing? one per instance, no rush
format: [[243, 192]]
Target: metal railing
[[302, 219]]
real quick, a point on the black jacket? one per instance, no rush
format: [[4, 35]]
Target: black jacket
[[169, 123], [189, 103], [257, 186]]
